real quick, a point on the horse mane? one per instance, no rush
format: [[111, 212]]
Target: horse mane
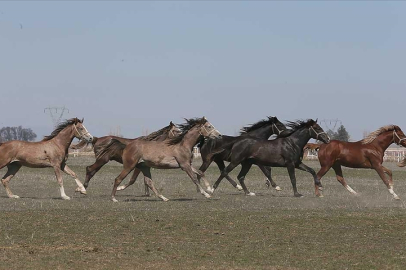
[[402, 163], [295, 126], [185, 127], [60, 127], [372, 136], [257, 125], [154, 135]]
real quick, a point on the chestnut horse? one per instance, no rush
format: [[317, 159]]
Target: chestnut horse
[[52, 151], [367, 153], [172, 154], [100, 144]]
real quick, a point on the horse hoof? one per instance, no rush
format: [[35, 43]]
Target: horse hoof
[[298, 195], [239, 187], [67, 198], [210, 190], [114, 199], [396, 198], [320, 196], [15, 197], [120, 187], [278, 188], [320, 188], [207, 195], [250, 194]]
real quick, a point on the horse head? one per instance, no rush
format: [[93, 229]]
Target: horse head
[[81, 132]]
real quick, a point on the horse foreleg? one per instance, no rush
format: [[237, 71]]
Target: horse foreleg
[[201, 175], [93, 169], [317, 182], [224, 173], [381, 171], [58, 174], [221, 165], [269, 181], [12, 169], [80, 187], [188, 169], [324, 169], [340, 178], [241, 177], [292, 175], [389, 173]]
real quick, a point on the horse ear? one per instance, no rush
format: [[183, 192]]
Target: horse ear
[[204, 118], [76, 120], [83, 119], [317, 119], [171, 124]]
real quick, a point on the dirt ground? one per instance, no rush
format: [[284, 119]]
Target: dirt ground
[[272, 230]]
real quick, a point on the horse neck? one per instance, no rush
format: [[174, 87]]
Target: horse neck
[[384, 140], [161, 137], [65, 137], [300, 137], [262, 133], [191, 138]]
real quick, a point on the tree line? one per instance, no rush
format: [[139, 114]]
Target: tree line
[[17, 133]]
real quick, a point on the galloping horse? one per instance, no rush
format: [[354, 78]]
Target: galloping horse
[[367, 153], [100, 145], [172, 154], [52, 151], [285, 151], [218, 150]]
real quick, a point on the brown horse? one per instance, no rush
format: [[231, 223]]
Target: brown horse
[[367, 153], [52, 151], [100, 146], [172, 154]]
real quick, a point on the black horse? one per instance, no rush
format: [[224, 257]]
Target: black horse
[[218, 150], [284, 151]]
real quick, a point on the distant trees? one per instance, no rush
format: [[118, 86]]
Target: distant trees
[[341, 134], [17, 133]]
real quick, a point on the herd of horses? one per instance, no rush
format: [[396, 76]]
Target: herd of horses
[[171, 147]]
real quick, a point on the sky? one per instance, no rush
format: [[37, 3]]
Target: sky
[[138, 65]]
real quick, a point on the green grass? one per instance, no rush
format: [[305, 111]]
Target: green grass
[[272, 230]]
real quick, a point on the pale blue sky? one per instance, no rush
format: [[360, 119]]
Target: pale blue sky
[[139, 65]]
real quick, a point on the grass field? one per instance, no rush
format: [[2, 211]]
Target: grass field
[[272, 230]]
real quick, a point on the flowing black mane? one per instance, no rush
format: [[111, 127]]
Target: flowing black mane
[[154, 135], [60, 127], [184, 128], [295, 126], [257, 125]]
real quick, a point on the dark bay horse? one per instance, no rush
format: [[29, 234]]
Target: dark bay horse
[[367, 153], [100, 144], [218, 150], [285, 151], [172, 154], [52, 151]]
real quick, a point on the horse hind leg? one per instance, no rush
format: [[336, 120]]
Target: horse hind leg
[[148, 181], [12, 169], [269, 181], [241, 177], [340, 178], [93, 169], [132, 180]]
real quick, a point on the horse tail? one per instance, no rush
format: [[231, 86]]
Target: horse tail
[[110, 148], [311, 146], [83, 143], [402, 163]]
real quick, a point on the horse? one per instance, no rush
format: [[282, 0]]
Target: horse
[[218, 150], [100, 144], [171, 154], [285, 151], [52, 151], [366, 153]]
